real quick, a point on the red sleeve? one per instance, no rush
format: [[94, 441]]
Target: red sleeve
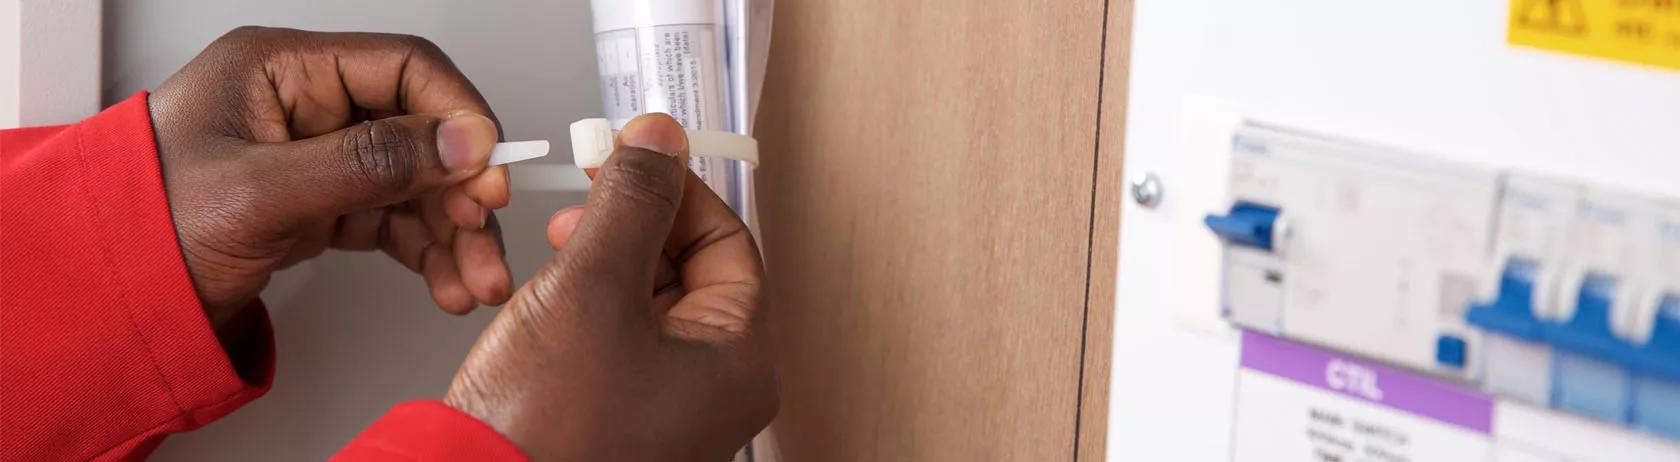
[[429, 430], [104, 348]]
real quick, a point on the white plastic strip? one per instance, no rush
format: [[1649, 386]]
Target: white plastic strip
[[592, 143], [515, 151], [548, 177]]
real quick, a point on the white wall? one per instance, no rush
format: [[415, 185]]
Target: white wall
[[1430, 75], [60, 56], [49, 61], [357, 333], [11, 37]]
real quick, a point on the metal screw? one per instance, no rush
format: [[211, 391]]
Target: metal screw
[[1146, 190]]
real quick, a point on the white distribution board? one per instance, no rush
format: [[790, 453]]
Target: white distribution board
[[1430, 76]]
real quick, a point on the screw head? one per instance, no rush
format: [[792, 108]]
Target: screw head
[[1146, 189]]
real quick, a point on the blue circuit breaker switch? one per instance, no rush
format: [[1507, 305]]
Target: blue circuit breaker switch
[[1515, 361], [1246, 224], [1512, 311], [1449, 351], [1589, 374], [1656, 389]]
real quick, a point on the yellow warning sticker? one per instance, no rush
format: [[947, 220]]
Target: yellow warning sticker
[[1639, 31]]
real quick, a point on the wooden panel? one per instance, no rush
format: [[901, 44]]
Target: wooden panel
[[1105, 230], [926, 203]]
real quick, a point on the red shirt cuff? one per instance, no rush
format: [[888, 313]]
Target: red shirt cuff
[[429, 430], [106, 346], [124, 166]]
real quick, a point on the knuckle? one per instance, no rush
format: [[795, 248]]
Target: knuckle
[[245, 37], [425, 47], [242, 33], [236, 41], [420, 47], [247, 44], [642, 180], [381, 155]]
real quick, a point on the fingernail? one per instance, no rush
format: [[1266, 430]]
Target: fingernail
[[576, 209], [464, 141], [655, 132], [483, 217]]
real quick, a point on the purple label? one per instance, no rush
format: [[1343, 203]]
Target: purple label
[[1367, 381]]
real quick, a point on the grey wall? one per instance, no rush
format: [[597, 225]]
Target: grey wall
[[356, 332]]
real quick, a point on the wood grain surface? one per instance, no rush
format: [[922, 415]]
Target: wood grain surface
[[1105, 231], [928, 196]]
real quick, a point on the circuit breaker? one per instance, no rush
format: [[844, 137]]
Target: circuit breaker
[[1535, 289], [1354, 246], [1583, 312]]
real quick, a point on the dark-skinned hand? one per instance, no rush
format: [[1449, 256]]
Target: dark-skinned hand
[[277, 144], [644, 338]]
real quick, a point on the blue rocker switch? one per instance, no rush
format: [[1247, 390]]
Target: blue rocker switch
[[1246, 224], [1516, 362], [1512, 312], [1590, 376], [1656, 391]]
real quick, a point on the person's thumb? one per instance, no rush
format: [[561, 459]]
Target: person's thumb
[[617, 243], [372, 164]]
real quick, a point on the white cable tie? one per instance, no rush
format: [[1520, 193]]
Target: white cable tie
[[515, 151], [592, 143]]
